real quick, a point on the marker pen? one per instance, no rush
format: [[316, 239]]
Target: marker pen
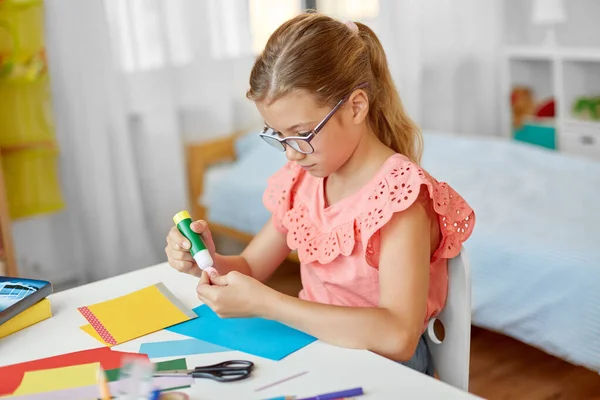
[[198, 250]]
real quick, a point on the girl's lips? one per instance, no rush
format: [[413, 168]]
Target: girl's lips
[[307, 167]]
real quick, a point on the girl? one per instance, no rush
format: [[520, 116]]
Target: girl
[[372, 229]]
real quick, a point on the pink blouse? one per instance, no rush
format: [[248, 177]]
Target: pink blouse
[[338, 246]]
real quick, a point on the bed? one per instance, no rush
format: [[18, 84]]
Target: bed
[[535, 252]]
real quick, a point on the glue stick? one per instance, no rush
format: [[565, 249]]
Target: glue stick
[[198, 250]]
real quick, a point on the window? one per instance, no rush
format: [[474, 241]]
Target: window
[[154, 34], [266, 16], [355, 10], [148, 34]]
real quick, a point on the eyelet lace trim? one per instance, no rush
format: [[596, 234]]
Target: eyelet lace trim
[[398, 188]]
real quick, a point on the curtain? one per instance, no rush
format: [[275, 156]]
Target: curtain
[[443, 56], [132, 81]]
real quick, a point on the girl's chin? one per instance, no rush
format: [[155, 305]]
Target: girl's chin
[[317, 173]]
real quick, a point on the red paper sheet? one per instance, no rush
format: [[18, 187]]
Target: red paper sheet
[[108, 359]]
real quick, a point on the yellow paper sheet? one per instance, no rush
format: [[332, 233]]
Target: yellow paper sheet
[[48, 380], [92, 332], [38, 312], [139, 313]]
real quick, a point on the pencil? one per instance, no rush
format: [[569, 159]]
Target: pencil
[[282, 398], [104, 389]]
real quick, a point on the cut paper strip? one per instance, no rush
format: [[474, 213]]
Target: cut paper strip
[[97, 325], [12, 375], [135, 314], [178, 363], [257, 336], [48, 380], [172, 348], [282, 380]]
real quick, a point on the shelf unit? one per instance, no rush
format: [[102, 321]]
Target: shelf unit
[[28, 150], [8, 260], [566, 69]]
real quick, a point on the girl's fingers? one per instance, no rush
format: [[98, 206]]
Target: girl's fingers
[[177, 240]]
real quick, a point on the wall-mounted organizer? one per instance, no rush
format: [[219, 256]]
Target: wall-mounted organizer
[[29, 181], [551, 74]]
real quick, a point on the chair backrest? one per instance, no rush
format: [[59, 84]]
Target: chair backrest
[[451, 356]]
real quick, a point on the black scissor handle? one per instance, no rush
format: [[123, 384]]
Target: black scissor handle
[[227, 371], [231, 365]]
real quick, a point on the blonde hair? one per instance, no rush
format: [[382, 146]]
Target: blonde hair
[[329, 59]]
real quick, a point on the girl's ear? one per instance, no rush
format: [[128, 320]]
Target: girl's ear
[[360, 106]]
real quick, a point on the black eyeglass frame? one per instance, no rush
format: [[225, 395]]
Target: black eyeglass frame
[[280, 144]]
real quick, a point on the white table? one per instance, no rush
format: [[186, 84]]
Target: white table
[[330, 368]]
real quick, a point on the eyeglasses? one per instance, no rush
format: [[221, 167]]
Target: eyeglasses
[[301, 143]]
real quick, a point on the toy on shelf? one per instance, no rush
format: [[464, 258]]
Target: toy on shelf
[[587, 108], [546, 109], [533, 122], [526, 109], [522, 105]]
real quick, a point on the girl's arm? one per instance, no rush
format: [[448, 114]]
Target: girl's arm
[[267, 250], [394, 327]]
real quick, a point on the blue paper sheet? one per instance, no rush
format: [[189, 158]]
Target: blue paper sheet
[[185, 347], [257, 336]]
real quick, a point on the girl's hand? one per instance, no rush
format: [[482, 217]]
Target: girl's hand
[[178, 248], [234, 295]]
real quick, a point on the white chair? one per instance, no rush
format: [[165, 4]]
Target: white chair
[[452, 355]]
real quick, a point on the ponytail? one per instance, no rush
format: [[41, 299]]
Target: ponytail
[[387, 117]]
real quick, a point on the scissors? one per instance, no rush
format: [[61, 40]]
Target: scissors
[[226, 371]]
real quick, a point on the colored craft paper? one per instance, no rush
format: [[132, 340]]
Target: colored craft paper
[[159, 382], [90, 331], [47, 380], [136, 314], [108, 359], [172, 348], [258, 336], [179, 363], [78, 393], [93, 392], [171, 382]]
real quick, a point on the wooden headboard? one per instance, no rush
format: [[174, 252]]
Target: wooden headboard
[[199, 157]]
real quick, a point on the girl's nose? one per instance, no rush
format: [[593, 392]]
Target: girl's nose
[[292, 154]]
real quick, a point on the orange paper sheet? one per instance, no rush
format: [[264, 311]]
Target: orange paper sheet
[[133, 315]]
